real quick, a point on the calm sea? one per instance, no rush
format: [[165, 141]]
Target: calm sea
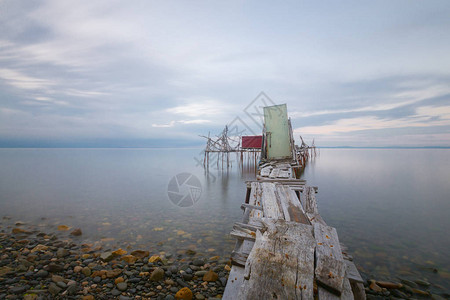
[[391, 207]]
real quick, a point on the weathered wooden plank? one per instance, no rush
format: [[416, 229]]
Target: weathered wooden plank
[[275, 172], [269, 201], [234, 283], [245, 205], [330, 266], [239, 258], [347, 293], [315, 218], [281, 263], [352, 272], [279, 180], [310, 200], [254, 198], [249, 226], [284, 174], [242, 232], [266, 171], [291, 206]]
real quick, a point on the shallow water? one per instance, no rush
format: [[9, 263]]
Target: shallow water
[[391, 207]]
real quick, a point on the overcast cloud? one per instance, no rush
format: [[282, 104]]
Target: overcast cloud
[[144, 73]]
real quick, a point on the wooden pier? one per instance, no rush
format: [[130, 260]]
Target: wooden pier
[[284, 249]]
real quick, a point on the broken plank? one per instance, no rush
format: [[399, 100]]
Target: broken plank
[[310, 200], [265, 171], [269, 201], [275, 172], [330, 266], [281, 263], [291, 205]]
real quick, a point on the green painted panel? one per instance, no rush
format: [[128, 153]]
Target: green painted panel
[[277, 132]]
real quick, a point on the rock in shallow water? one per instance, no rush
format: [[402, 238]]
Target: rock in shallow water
[[210, 276], [157, 275], [122, 286], [185, 294]]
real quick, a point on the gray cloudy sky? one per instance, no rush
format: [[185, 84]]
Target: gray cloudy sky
[[144, 73]]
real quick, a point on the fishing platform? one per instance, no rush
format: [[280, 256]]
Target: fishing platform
[[284, 249]]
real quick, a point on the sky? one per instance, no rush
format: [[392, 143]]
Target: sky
[[162, 73]]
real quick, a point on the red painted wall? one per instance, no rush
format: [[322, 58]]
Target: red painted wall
[[252, 141]]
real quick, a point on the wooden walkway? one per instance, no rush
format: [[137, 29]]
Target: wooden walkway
[[284, 249]]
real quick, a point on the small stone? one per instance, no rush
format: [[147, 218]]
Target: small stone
[[227, 268], [61, 284], [198, 262], [63, 227], [210, 276], [159, 287], [88, 297], [72, 289], [389, 285], [374, 287], [119, 252], [115, 292], [122, 286], [190, 252], [97, 279], [86, 271], [200, 273], [157, 275], [61, 252], [107, 256], [187, 276], [54, 268], [77, 269], [129, 259], [422, 282], [113, 273], [18, 289], [182, 283], [41, 274], [57, 278], [420, 292], [140, 253], [199, 297], [119, 280], [154, 258], [76, 232], [53, 289], [409, 283], [39, 248], [184, 294]]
